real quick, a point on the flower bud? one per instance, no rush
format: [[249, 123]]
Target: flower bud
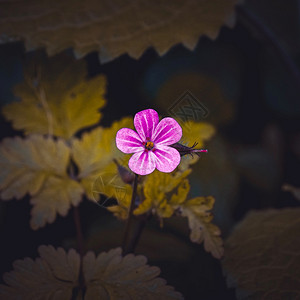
[[184, 150], [126, 175]]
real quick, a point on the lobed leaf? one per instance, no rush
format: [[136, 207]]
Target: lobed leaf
[[37, 166], [111, 276], [108, 276], [57, 196], [56, 98], [53, 276], [197, 211], [25, 164]]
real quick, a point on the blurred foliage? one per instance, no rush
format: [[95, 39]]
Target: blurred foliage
[[206, 90], [264, 265], [56, 275], [292, 189], [124, 27]]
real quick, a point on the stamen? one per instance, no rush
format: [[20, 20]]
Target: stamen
[[149, 145]]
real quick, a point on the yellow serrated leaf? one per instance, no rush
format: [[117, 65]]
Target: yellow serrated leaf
[[25, 164], [56, 197], [125, 27], [182, 192], [200, 205], [156, 195], [56, 98], [199, 218], [94, 154]]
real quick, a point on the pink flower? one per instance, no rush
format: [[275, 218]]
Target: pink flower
[[150, 144]]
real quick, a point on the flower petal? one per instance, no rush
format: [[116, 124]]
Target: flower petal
[[128, 141], [142, 163], [167, 132], [167, 158], [145, 122]]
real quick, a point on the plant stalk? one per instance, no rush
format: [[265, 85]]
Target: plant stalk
[[131, 236]]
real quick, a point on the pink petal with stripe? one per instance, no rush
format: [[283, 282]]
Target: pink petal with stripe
[[145, 122], [167, 158], [128, 141], [142, 163], [167, 132]]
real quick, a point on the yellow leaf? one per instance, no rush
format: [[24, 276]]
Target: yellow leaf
[[55, 275], [111, 186], [56, 98], [262, 255], [182, 193], [199, 217], [125, 27], [156, 195], [37, 166], [94, 154], [25, 164], [56, 197]]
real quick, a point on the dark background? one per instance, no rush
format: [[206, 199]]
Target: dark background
[[261, 94]]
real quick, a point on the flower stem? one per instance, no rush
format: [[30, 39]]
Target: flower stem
[[130, 238], [80, 246], [79, 234]]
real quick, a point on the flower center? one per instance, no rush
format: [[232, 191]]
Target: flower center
[[148, 145]]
